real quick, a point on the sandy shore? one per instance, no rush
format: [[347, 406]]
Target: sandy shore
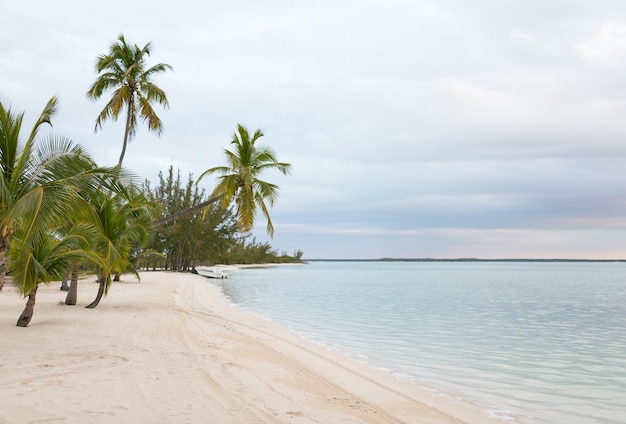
[[171, 350]]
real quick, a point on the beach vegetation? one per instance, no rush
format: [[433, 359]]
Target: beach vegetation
[[200, 238], [121, 221], [247, 250], [239, 186], [40, 185], [125, 71], [194, 238], [43, 257], [239, 182], [63, 212]]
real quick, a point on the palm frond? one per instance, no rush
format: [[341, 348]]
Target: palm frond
[[10, 126]]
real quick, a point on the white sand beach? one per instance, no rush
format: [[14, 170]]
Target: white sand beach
[[170, 349]]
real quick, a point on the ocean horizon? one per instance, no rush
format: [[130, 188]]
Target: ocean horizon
[[532, 341], [469, 259]]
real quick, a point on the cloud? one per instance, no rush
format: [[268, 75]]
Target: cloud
[[606, 47], [414, 128]]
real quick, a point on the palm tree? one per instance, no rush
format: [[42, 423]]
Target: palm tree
[[120, 226], [10, 128], [40, 182], [44, 257], [239, 180], [124, 70]]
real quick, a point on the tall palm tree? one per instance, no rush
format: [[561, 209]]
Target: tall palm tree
[[239, 180], [125, 71], [40, 181]]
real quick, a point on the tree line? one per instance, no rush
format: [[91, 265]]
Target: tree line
[[60, 212]]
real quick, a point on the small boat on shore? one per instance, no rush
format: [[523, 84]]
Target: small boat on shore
[[211, 272]]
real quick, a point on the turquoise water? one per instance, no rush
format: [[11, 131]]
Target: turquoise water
[[528, 342]]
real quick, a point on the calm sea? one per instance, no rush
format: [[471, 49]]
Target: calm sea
[[528, 342]]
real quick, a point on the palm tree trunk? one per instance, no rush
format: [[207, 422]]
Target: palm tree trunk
[[72, 294], [4, 248], [102, 282], [3, 272], [126, 131], [177, 215], [27, 314], [64, 286]]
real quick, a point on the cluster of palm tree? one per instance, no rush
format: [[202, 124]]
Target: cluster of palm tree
[[59, 210], [47, 215]]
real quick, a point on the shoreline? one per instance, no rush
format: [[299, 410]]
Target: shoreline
[[172, 349]]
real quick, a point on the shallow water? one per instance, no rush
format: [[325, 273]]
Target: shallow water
[[530, 342]]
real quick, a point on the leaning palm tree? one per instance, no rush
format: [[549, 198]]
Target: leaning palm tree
[[119, 218], [125, 71], [239, 182], [40, 181], [119, 228]]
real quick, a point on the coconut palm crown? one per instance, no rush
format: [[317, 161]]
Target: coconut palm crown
[[239, 180], [125, 71]]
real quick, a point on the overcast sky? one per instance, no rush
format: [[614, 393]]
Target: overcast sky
[[455, 128]]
